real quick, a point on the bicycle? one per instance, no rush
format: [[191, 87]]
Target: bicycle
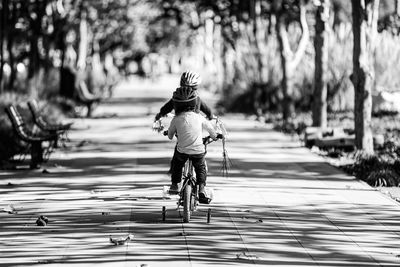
[[189, 192]]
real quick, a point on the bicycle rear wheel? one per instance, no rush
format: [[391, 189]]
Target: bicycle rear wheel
[[187, 202]]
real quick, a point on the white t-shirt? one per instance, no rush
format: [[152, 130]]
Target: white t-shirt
[[188, 127]]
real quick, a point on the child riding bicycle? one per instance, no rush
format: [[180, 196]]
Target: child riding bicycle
[[187, 126]]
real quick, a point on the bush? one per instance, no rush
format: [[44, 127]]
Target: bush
[[297, 125], [387, 61], [376, 170], [257, 99], [383, 177]]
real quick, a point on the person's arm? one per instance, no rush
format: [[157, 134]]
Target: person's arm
[[167, 108], [205, 109], [172, 129], [210, 129], [164, 110]]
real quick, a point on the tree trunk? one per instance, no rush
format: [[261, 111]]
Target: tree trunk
[[225, 75], [12, 14], [290, 59], [365, 18], [34, 67], [287, 86], [36, 26], [68, 73], [285, 54], [218, 56], [2, 30], [209, 45], [61, 70], [83, 42], [255, 14], [33, 56], [10, 44], [321, 65]]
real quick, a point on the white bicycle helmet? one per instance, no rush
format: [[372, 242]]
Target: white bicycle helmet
[[190, 78]]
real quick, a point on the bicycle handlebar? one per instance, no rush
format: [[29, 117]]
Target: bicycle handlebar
[[207, 140], [159, 127]]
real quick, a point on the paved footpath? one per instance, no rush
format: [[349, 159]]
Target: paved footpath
[[280, 206]]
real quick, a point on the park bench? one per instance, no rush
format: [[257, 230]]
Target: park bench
[[44, 125], [87, 98], [329, 138], [35, 140]]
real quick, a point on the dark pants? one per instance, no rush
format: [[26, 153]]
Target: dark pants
[[199, 164]]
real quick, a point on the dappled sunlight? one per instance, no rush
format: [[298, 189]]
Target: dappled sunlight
[[280, 205], [86, 167]]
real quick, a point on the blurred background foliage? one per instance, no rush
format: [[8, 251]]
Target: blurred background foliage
[[216, 38], [48, 46]]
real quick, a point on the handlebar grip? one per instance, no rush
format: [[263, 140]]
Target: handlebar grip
[[206, 140]]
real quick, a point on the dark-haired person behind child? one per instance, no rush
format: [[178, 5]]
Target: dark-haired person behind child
[[188, 126], [192, 80]]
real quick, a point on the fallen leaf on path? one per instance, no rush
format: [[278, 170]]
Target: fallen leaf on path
[[42, 221], [183, 234], [82, 143], [48, 261], [44, 218], [246, 256], [10, 209], [121, 240]]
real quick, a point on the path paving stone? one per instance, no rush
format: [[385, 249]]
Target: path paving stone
[[281, 205]]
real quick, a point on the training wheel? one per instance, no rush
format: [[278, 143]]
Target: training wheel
[[164, 211]]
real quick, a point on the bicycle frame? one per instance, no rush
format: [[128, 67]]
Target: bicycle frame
[[188, 177]]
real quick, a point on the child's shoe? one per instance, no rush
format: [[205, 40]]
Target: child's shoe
[[203, 197], [174, 188]]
